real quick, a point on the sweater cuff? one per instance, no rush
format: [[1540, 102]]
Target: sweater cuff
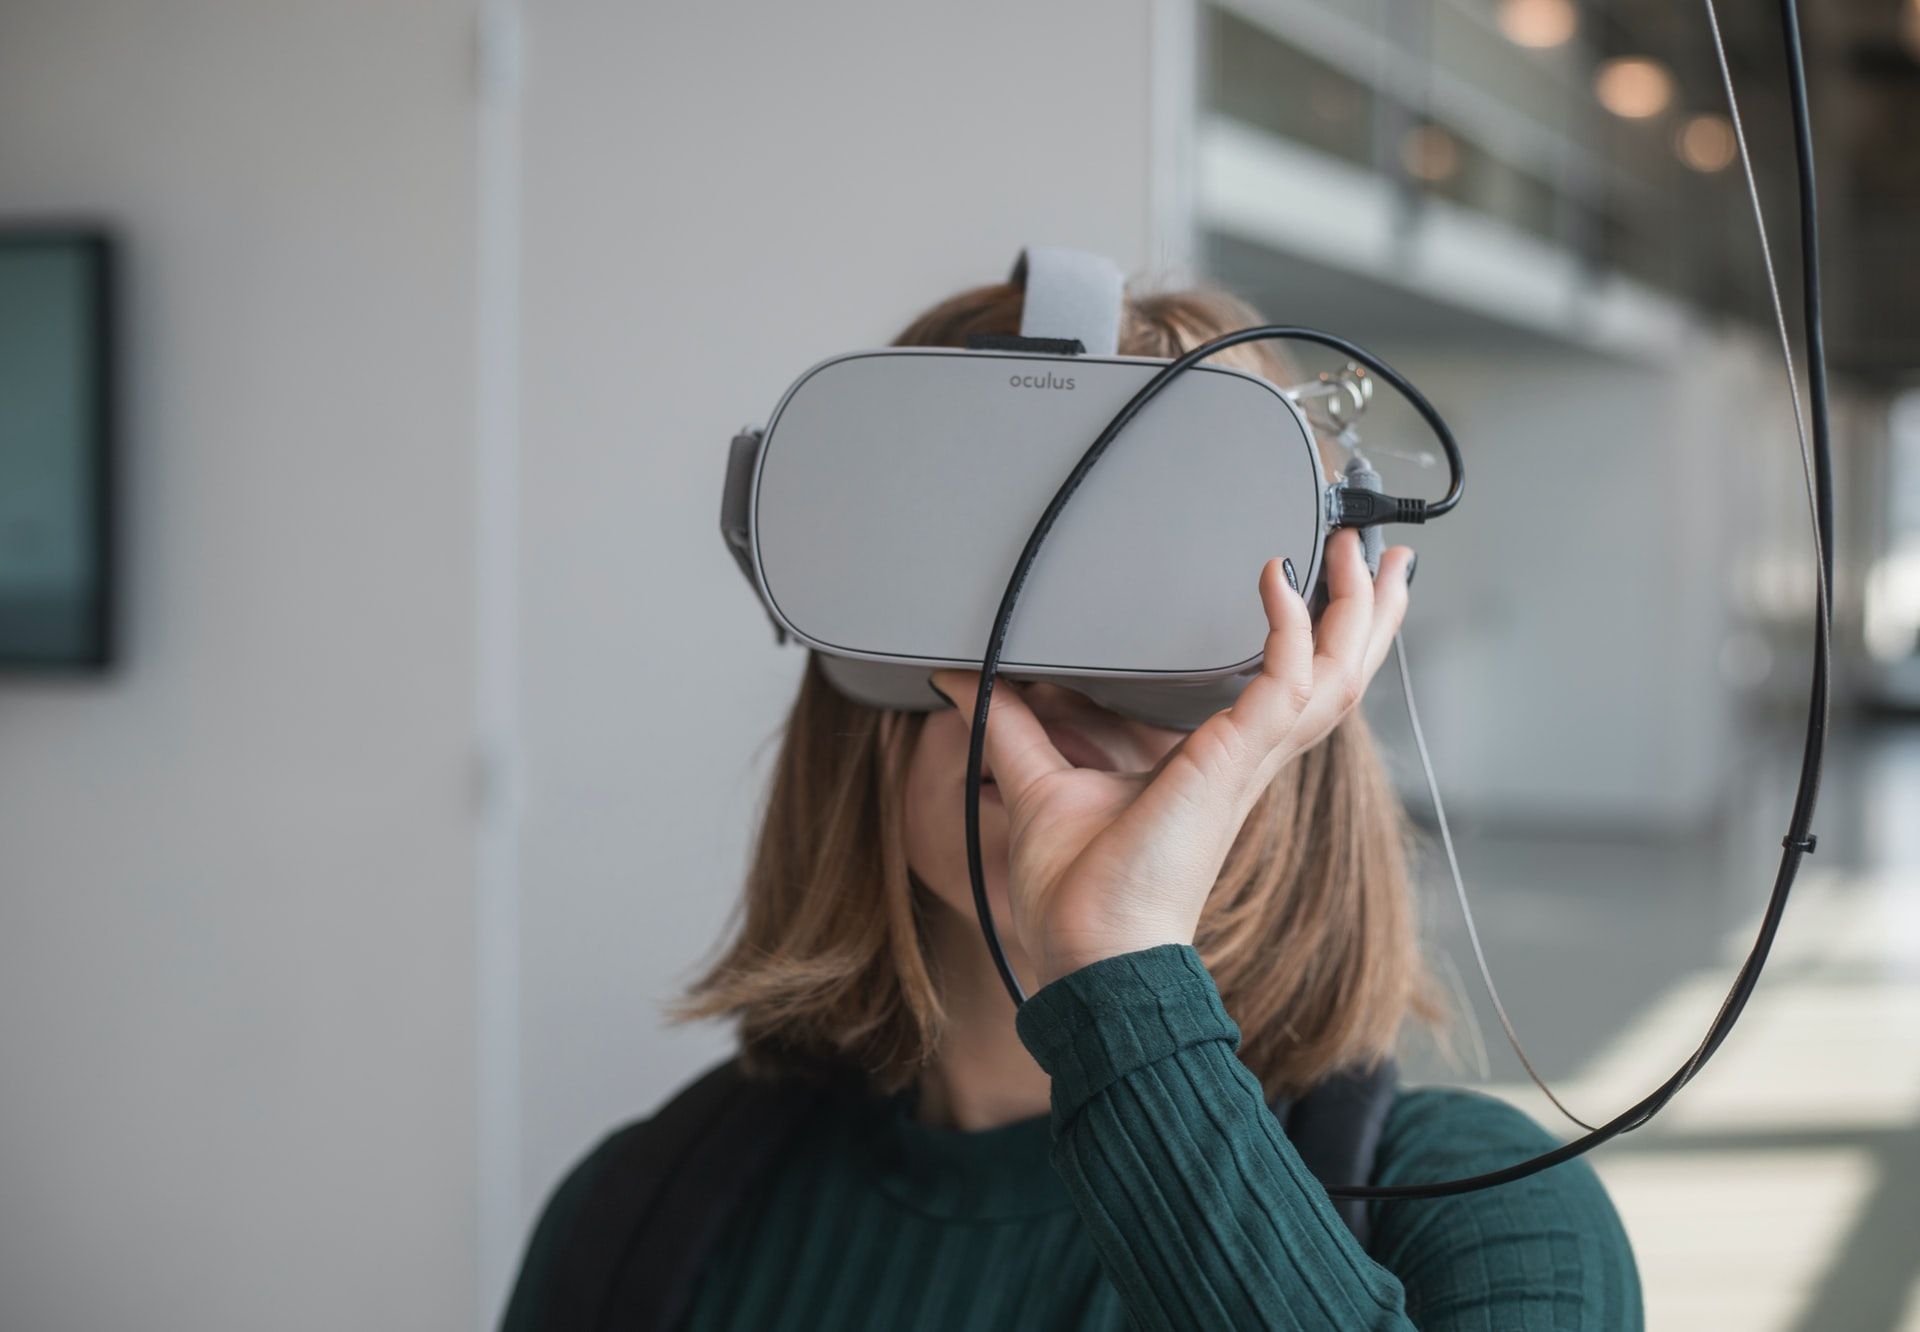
[[1097, 1025]]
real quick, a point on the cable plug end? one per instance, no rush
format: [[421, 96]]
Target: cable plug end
[[1350, 506]]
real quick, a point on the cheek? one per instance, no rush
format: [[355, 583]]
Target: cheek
[[936, 818], [919, 806], [933, 815]]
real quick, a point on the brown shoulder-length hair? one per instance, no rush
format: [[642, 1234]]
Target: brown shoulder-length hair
[[1309, 933]]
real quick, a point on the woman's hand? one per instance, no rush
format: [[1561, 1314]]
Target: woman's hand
[[1104, 863]]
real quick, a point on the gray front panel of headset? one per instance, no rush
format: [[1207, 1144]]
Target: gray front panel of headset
[[896, 490]]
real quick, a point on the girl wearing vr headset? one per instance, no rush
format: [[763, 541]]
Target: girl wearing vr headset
[[1218, 936]]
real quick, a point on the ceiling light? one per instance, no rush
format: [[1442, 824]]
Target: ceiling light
[[1634, 87], [1538, 23], [1705, 142]]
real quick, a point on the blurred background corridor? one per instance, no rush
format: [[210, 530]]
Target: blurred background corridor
[[336, 912]]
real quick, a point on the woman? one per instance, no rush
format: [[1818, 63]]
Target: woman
[[1207, 923]]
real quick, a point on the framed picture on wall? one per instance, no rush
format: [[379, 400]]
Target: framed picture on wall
[[56, 448]]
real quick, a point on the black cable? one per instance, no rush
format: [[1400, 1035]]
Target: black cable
[[1797, 843], [1810, 279], [1800, 839]]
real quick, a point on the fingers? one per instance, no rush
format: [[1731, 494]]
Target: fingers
[[1312, 676], [1390, 593], [1288, 652], [1340, 643], [1018, 750], [1273, 700]]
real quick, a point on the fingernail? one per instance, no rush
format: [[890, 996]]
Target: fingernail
[[940, 694], [1293, 579], [1413, 564]]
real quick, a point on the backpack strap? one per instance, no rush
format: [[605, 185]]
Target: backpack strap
[[730, 1144], [1336, 1128], [658, 1193]]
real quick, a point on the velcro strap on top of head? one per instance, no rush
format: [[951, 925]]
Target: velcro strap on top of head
[[1072, 295]]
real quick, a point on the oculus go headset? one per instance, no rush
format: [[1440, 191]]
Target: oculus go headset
[[877, 468]]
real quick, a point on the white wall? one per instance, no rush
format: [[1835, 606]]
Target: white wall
[[718, 195], [1572, 622], [235, 925]]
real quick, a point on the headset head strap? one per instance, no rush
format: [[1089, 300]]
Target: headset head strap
[[1071, 295]]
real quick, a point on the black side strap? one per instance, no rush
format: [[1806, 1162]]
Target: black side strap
[[668, 1187], [1336, 1129]]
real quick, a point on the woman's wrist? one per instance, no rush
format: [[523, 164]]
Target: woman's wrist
[[1102, 1022], [1064, 959]]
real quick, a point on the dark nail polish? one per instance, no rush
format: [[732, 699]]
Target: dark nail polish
[[1413, 565], [939, 695], [1293, 579]]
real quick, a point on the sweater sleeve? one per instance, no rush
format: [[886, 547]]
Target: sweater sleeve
[[1204, 1215]]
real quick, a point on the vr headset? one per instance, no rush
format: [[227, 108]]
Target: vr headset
[[878, 512]]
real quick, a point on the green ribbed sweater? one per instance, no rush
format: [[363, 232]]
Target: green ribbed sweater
[[1161, 1193]]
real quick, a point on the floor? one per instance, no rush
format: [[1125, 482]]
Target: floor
[[1780, 1192]]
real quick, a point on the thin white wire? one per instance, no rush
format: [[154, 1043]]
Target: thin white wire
[[1820, 575], [1820, 567], [1456, 983], [1460, 886], [1821, 591], [1773, 290]]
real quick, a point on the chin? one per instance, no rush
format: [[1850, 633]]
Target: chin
[[953, 888]]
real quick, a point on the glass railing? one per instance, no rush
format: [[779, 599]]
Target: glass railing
[[1438, 101]]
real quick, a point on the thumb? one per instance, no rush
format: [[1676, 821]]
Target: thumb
[[1018, 748]]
